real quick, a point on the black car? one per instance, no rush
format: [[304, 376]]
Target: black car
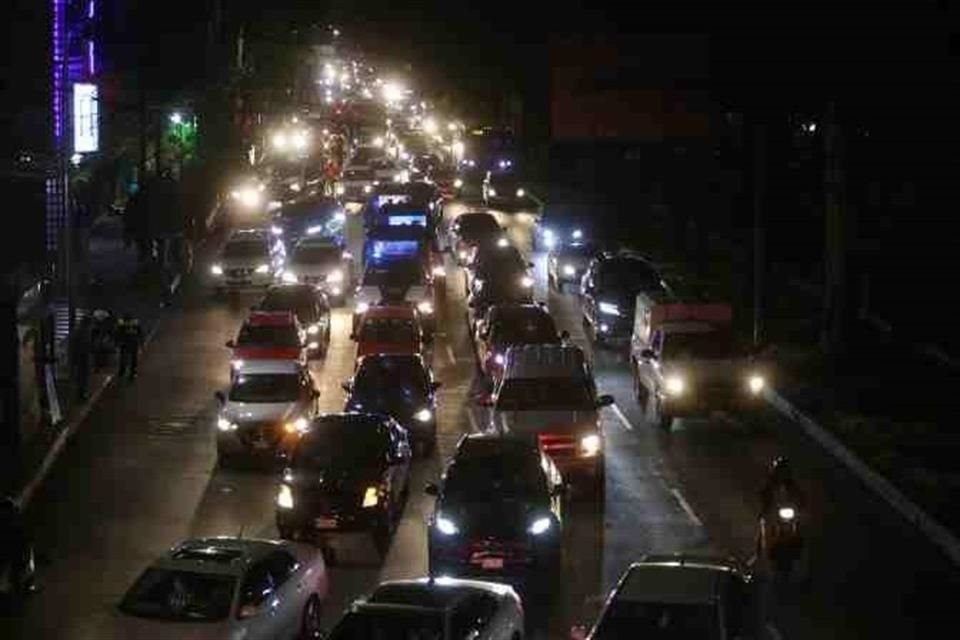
[[507, 325], [498, 260], [609, 290], [495, 291], [309, 217], [399, 385], [568, 263], [471, 229], [309, 305], [349, 473], [498, 512], [507, 189]]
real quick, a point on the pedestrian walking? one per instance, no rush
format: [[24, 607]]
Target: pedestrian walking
[[129, 339], [80, 356]]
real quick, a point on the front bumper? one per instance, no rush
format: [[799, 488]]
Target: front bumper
[[703, 399], [517, 563], [242, 279], [329, 522], [233, 444]]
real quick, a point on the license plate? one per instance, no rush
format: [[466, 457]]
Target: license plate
[[325, 523], [491, 563]]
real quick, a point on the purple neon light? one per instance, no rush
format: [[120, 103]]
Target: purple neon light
[[91, 65], [58, 69], [91, 9]]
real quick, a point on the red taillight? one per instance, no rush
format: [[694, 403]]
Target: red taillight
[[557, 443]]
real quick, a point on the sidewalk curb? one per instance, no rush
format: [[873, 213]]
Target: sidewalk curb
[[933, 530], [72, 426]]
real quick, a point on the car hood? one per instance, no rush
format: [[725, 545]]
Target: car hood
[[534, 422], [241, 412], [267, 353], [712, 369], [371, 294], [315, 268], [498, 518], [391, 405], [368, 348], [243, 263]]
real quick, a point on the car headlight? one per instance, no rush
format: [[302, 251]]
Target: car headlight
[[249, 197], [492, 192], [577, 234], [458, 183], [439, 272], [446, 526], [277, 231], [425, 307], [289, 277], [314, 230], [236, 363], [503, 243], [313, 346], [367, 188], [521, 193], [787, 513], [371, 497], [569, 270], [263, 268], [526, 282], [424, 415], [610, 309], [540, 526], [335, 276], [225, 425], [499, 359], [285, 497], [300, 425], [313, 329], [462, 255], [675, 385], [756, 384], [216, 270], [336, 291], [590, 445], [362, 307]]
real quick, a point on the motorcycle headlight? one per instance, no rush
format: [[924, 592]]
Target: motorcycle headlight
[[277, 231], [492, 192], [371, 497], [446, 526], [590, 445], [263, 268], [300, 425], [285, 497], [425, 307], [521, 193], [526, 282], [499, 359], [424, 415], [756, 384], [458, 183], [462, 255], [225, 425], [675, 385], [335, 276], [313, 329], [289, 277], [339, 189], [540, 526], [216, 270], [569, 270], [610, 309], [362, 307], [236, 363], [787, 513], [577, 234]]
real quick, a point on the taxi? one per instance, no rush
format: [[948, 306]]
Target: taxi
[[269, 335], [389, 329]]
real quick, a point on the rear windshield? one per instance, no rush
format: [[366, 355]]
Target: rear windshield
[[388, 330], [343, 443], [474, 225], [180, 595], [396, 624], [300, 303], [545, 394], [482, 478], [658, 621], [266, 387], [530, 328], [268, 336], [398, 273], [245, 249], [630, 276]]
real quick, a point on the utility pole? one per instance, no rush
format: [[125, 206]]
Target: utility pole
[[759, 194]]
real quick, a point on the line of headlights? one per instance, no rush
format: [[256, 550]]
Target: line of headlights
[[676, 384]]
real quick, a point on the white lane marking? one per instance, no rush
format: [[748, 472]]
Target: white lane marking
[[451, 355], [774, 632], [686, 507], [475, 428], [623, 419]]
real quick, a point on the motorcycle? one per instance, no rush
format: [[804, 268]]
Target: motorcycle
[[779, 539]]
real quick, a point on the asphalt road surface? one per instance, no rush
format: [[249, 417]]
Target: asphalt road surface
[[141, 475]]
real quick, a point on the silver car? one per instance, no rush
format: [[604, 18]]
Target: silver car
[[227, 588], [249, 259], [435, 609]]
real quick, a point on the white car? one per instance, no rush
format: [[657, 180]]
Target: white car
[[227, 588], [249, 259], [322, 263], [435, 608], [269, 404]]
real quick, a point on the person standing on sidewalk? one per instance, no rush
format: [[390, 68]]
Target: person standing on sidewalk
[[80, 351], [129, 339]]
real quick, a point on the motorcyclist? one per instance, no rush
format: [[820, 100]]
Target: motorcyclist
[[780, 486]]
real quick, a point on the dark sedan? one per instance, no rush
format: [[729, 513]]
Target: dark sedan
[[349, 474]]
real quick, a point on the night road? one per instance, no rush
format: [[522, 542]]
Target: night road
[[141, 474]]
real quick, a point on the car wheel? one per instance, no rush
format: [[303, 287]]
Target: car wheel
[[310, 621]]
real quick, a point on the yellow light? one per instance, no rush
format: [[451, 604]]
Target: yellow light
[[675, 385], [590, 445], [371, 498], [756, 384], [300, 425], [285, 497]]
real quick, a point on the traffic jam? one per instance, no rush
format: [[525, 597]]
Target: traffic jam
[[379, 235]]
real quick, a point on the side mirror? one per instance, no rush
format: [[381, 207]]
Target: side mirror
[[605, 401], [648, 354], [578, 632], [221, 397], [564, 335], [230, 344], [431, 489], [347, 386]]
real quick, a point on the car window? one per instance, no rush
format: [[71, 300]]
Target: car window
[[388, 330], [268, 336], [267, 387], [546, 394], [257, 586], [473, 615], [245, 249], [281, 565], [180, 595], [673, 621]]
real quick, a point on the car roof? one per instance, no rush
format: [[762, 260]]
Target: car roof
[[264, 367], [490, 444], [375, 358], [390, 311], [544, 361], [356, 419], [271, 318], [432, 593], [221, 555], [509, 311], [676, 579]]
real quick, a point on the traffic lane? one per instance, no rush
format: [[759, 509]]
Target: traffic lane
[[125, 487], [719, 466]]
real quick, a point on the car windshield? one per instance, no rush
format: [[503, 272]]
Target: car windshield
[[339, 443], [630, 276], [498, 260], [398, 273], [300, 303], [358, 174], [577, 252], [398, 624], [388, 330], [316, 254], [706, 345], [391, 379], [530, 328], [268, 336], [266, 387], [245, 249], [180, 595], [630, 619], [486, 477], [472, 226], [545, 394]]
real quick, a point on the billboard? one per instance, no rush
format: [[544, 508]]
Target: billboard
[[86, 118]]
